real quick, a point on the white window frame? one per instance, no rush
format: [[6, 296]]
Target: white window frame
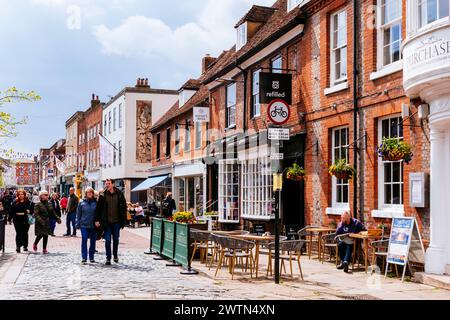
[[342, 79], [225, 214], [230, 105], [420, 15], [273, 67], [109, 122], [120, 153], [381, 62], [198, 135], [120, 115], [381, 183], [241, 34], [256, 105], [334, 202], [257, 189], [114, 119]]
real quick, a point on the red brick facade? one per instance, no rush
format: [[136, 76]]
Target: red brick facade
[[27, 173]]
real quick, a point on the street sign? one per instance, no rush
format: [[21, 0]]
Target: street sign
[[50, 173], [275, 86], [201, 114], [279, 134], [277, 156], [278, 112]]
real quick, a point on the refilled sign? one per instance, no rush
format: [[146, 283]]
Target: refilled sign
[[274, 86]]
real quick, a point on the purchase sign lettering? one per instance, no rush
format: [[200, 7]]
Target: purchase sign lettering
[[274, 86], [430, 49]]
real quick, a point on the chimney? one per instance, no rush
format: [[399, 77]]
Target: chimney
[[138, 83], [95, 101], [207, 61], [142, 83]]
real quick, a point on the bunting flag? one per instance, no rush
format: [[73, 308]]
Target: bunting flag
[[61, 165], [106, 152]]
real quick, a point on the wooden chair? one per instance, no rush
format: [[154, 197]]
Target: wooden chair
[[293, 251], [201, 243], [303, 234], [380, 249], [329, 242], [235, 249]]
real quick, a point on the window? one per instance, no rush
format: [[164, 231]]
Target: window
[[168, 141], [181, 194], [389, 32], [241, 36], [231, 106], [109, 122], [187, 137], [158, 146], [256, 107], [114, 119], [338, 64], [432, 10], [292, 4], [256, 191], [105, 124], [177, 139], [228, 191], [277, 64], [120, 152], [391, 173], [198, 135], [115, 155], [120, 115], [94, 158], [340, 188]]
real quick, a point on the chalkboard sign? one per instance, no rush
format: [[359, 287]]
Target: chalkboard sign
[[168, 239], [157, 228], [292, 232], [259, 229], [182, 244]]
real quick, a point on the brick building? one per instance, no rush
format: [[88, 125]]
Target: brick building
[[27, 174], [72, 150]]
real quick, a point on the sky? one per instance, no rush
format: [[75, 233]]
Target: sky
[[66, 50]]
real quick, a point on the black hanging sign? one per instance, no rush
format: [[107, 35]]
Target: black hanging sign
[[274, 86]]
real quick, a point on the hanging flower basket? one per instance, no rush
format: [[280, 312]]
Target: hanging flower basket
[[393, 149], [295, 173], [341, 170]]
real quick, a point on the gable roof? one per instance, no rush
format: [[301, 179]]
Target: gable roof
[[257, 14]]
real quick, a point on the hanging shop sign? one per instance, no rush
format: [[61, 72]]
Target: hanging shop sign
[[201, 114], [274, 86]]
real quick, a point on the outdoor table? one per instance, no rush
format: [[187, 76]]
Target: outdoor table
[[320, 232], [364, 237], [257, 240]]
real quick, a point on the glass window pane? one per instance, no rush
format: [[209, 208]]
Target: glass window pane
[[385, 132], [444, 9], [345, 194], [343, 62], [431, 10], [388, 172], [396, 172], [388, 194], [396, 198]]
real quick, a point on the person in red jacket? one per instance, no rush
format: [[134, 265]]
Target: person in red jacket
[[63, 204]]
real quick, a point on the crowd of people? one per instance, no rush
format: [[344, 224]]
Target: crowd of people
[[99, 215]]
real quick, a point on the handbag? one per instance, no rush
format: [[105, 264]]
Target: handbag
[[99, 233], [31, 219]]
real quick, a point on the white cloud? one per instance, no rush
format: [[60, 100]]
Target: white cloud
[[211, 31]]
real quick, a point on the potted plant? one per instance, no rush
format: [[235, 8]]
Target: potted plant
[[183, 217], [341, 170], [333, 224], [295, 173], [394, 149]]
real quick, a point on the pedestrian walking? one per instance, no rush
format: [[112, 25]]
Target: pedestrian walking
[[20, 209], [85, 222], [35, 197], [7, 202], [43, 211], [56, 206], [111, 215], [72, 213], [64, 201], [169, 205]]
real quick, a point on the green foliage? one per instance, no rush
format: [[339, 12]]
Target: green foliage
[[394, 149], [183, 217], [295, 172], [8, 124], [341, 170]]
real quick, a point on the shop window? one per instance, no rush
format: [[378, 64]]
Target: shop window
[[338, 54], [389, 32], [228, 191], [340, 188], [390, 174], [256, 191], [432, 10], [256, 107], [181, 195]]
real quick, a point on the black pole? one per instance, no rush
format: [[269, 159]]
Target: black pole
[[355, 109], [277, 237]]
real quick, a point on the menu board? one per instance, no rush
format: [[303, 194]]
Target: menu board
[[400, 240]]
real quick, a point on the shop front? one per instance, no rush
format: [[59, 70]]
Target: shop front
[[188, 183]]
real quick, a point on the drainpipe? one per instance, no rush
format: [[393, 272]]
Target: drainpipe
[[355, 110]]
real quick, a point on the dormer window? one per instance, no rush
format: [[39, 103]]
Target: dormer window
[[184, 96], [292, 4], [241, 36]]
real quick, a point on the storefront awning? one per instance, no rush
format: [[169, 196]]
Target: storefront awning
[[150, 183]]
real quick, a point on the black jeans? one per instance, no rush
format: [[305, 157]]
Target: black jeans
[[21, 226], [44, 243], [345, 252]]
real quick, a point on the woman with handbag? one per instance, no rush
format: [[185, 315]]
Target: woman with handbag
[[43, 211], [85, 222], [20, 209]]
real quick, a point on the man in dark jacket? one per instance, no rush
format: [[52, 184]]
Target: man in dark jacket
[[347, 226], [169, 205], [111, 215], [72, 213]]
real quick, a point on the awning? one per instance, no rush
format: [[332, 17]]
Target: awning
[[150, 183]]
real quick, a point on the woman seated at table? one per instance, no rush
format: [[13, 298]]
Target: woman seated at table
[[139, 213], [348, 225]]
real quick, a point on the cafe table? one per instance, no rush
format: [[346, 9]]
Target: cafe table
[[320, 231], [364, 237], [258, 240]]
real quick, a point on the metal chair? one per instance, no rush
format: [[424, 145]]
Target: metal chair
[[235, 249], [201, 243], [304, 235], [329, 242], [293, 249]]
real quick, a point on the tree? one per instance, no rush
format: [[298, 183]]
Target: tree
[[8, 123]]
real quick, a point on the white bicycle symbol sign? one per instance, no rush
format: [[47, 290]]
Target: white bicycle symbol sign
[[278, 112]]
